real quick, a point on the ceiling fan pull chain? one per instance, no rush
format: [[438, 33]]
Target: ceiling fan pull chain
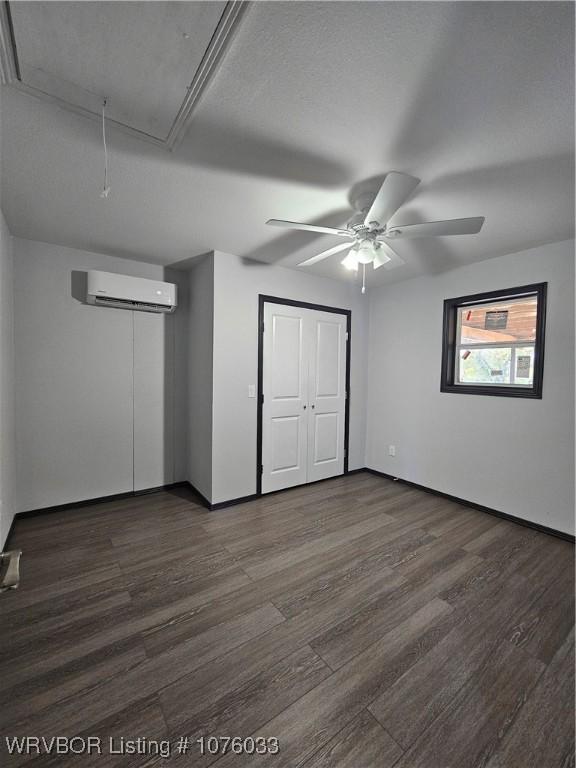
[[106, 188], [363, 278]]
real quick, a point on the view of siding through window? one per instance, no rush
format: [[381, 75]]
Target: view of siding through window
[[495, 342]]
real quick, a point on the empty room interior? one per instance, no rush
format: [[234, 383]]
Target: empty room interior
[[287, 402]]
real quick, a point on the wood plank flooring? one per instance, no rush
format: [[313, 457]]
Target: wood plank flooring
[[360, 622]]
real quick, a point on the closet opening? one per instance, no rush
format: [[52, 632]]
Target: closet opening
[[303, 412]]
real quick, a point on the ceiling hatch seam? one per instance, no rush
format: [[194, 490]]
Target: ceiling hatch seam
[[219, 44]]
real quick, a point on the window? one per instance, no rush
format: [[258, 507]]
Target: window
[[493, 343]]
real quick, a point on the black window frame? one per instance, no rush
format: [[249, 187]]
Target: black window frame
[[449, 341]]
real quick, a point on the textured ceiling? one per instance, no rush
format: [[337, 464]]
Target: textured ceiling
[[476, 99], [141, 58]]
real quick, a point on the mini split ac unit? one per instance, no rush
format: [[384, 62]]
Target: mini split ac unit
[[107, 289]]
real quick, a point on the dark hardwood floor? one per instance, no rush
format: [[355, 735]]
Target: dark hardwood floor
[[359, 621]]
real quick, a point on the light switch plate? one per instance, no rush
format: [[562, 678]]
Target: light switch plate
[[251, 390]]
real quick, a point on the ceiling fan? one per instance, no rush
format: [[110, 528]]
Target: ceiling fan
[[369, 228]]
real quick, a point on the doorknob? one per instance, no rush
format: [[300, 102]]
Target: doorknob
[[304, 407], [312, 406]]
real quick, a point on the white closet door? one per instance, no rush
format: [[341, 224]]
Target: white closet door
[[327, 395], [284, 412], [304, 388]]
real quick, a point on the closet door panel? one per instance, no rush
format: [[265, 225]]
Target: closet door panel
[[325, 442], [284, 412], [327, 395]]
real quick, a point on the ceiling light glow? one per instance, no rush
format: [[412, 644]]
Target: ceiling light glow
[[351, 262], [365, 252]]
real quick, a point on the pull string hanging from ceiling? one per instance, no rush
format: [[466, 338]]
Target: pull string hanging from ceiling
[[106, 188]]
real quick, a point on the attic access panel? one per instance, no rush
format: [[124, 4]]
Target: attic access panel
[[151, 61]]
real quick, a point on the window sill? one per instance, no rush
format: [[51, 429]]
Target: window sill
[[494, 391]]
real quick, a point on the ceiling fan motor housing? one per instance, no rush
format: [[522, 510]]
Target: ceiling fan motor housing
[[375, 203], [356, 223]]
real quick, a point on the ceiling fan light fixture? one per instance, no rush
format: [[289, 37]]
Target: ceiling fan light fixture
[[350, 262], [381, 258], [365, 252], [369, 228]]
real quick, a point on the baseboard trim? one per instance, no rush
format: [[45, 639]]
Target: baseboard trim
[[220, 504], [203, 500], [234, 502], [479, 507], [91, 502], [252, 497]]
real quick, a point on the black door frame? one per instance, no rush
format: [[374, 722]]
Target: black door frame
[[262, 300]]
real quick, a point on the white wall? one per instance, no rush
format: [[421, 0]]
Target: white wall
[[153, 388], [236, 288], [177, 329], [512, 454], [7, 388], [108, 400], [92, 410], [196, 342]]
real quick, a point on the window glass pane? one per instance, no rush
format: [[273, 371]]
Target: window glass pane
[[498, 322], [489, 344], [524, 366], [487, 365]]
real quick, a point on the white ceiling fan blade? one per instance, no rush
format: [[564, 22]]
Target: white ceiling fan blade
[[308, 227], [393, 192], [325, 254], [438, 228], [385, 255]]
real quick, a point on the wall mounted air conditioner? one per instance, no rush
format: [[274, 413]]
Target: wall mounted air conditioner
[[107, 289]]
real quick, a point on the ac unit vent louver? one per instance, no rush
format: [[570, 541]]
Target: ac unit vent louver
[[128, 304], [107, 289]]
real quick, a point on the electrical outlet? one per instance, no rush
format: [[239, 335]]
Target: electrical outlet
[[391, 450]]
